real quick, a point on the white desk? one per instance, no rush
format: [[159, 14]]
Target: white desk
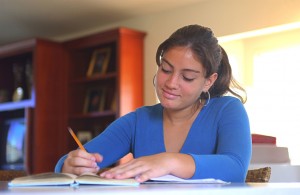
[[163, 189]]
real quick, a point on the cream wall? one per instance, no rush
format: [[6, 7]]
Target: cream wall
[[225, 17], [245, 50]]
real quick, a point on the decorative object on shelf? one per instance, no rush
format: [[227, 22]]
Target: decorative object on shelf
[[95, 100], [18, 71], [18, 94], [84, 136], [99, 61]]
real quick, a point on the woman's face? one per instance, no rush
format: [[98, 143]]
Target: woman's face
[[180, 79]]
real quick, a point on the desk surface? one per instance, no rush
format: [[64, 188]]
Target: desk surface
[[157, 189]]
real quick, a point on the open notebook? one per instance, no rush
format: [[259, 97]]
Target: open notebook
[[52, 179]]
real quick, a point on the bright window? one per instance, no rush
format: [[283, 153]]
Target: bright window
[[267, 67], [274, 98]]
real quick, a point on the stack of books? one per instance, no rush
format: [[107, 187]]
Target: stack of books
[[266, 151]]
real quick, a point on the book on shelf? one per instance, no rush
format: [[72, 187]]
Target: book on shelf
[[53, 179]]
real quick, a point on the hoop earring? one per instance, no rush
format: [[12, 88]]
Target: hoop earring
[[153, 81], [208, 99]]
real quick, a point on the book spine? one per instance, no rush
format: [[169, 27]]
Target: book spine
[[263, 139]]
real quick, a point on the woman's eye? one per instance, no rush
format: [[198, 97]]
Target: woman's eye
[[188, 79], [165, 70]]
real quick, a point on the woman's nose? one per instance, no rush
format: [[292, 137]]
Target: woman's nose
[[172, 81]]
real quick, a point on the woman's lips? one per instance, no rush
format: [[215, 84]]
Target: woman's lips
[[169, 95]]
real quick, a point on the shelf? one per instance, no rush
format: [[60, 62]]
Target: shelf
[[106, 113], [94, 78], [7, 106]]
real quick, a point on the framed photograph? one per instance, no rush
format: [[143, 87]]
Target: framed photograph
[[99, 61], [95, 100]]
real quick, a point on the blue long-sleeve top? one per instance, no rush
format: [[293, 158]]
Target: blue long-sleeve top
[[219, 140]]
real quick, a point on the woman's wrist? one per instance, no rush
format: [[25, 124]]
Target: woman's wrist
[[183, 165]]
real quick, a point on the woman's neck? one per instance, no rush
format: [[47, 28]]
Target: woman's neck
[[182, 116]]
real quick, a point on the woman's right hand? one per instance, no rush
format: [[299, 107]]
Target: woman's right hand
[[79, 162]]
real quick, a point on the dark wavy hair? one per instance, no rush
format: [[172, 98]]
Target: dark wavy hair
[[204, 45]]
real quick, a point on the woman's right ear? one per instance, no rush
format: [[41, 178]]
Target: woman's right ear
[[210, 81], [154, 80]]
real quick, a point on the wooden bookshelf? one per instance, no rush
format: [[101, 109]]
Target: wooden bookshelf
[[122, 79], [42, 103]]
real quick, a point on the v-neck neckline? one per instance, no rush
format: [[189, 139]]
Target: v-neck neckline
[[188, 134]]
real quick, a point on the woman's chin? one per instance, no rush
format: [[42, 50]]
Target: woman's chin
[[169, 105]]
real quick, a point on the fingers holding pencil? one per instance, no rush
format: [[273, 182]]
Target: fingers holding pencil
[[80, 161]]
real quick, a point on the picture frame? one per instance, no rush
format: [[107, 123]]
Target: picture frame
[[99, 61], [95, 100]]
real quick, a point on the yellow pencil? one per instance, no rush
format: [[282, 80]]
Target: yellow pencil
[[76, 139]]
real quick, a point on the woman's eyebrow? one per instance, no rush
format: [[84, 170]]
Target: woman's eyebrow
[[187, 69], [163, 59]]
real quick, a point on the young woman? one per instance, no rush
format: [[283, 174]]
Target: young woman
[[194, 132]]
